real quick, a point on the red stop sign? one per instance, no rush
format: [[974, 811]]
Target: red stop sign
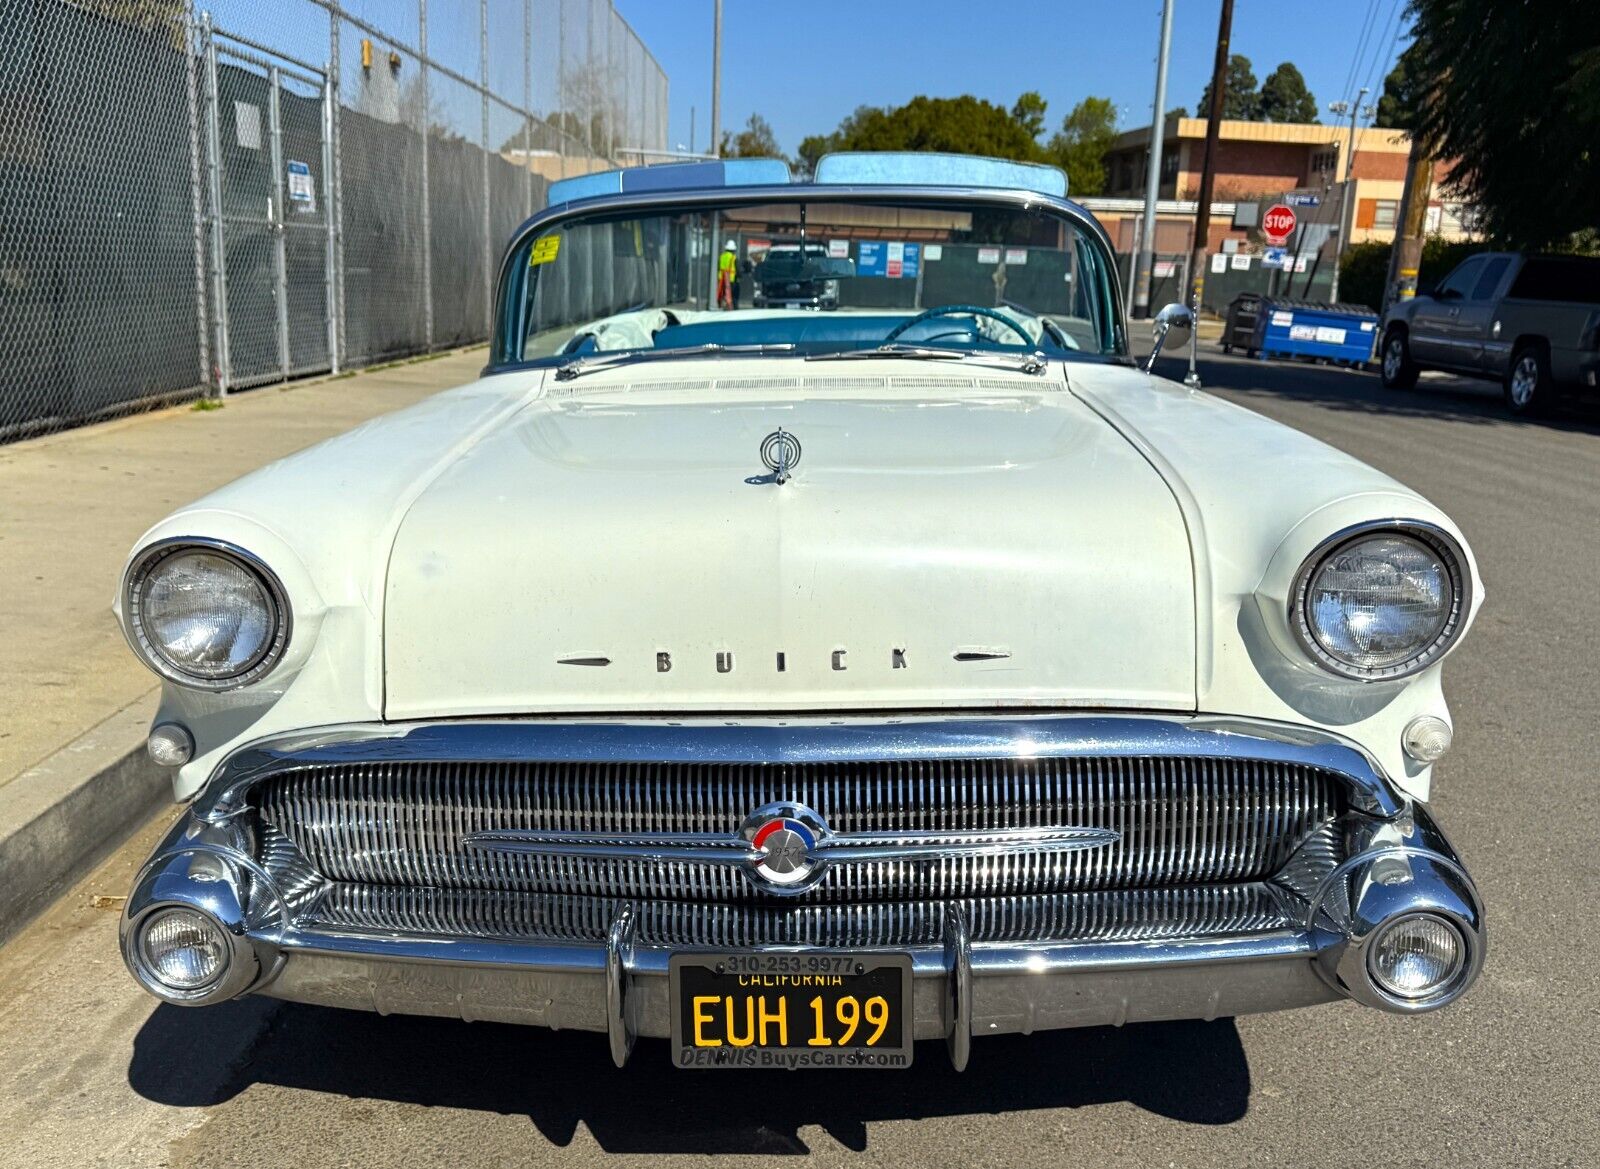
[[1278, 222]]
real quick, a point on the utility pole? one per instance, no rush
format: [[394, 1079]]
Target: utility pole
[[1347, 219], [716, 84], [1202, 213], [1405, 257], [1145, 255]]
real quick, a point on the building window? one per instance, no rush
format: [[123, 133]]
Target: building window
[[1384, 213], [1324, 162], [1169, 165]]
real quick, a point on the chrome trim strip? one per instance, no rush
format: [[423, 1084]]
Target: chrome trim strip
[[842, 848], [878, 738]]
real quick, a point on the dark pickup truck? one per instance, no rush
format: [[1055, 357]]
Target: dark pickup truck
[[1531, 323]]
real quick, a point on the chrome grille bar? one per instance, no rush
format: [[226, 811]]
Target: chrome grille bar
[[1111, 915], [1177, 820]]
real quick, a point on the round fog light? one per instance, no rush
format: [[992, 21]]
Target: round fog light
[[1417, 957], [1426, 738], [183, 949], [170, 745]]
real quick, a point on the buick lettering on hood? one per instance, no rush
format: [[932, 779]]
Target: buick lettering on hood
[[792, 683]]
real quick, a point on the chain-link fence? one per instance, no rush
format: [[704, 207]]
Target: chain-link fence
[[195, 199]]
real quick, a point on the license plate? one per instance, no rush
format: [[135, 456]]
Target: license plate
[[806, 1009]]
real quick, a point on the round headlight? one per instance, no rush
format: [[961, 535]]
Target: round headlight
[[1417, 957], [206, 615], [1383, 603], [183, 950]]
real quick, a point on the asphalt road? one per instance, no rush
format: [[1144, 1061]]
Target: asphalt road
[[93, 1073]]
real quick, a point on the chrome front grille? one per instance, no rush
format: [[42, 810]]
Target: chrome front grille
[[1180, 821], [1102, 915]]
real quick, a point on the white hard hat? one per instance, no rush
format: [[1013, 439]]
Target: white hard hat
[[730, 246]]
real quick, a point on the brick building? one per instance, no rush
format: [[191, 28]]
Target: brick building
[[1263, 160]]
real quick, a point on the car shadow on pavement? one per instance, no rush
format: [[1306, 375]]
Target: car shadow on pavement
[[1194, 1072], [1360, 391]]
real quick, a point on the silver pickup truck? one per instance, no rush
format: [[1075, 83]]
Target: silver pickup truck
[[1529, 322]]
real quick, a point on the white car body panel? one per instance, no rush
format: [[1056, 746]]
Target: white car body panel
[[942, 520], [1130, 545]]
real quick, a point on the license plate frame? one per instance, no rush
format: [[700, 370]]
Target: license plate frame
[[796, 977]]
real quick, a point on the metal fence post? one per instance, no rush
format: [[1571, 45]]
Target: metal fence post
[[336, 194], [427, 207], [219, 267], [275, 216], [527, 108], [488, 226], [196, 198], [330, 307]]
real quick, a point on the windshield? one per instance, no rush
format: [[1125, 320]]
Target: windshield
[[812, 277]]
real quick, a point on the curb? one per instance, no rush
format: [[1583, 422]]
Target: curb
[[63, 815]]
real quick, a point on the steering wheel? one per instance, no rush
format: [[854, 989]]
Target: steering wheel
[[950, 310]]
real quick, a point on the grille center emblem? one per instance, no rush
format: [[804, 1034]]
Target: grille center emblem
[[785, 838]]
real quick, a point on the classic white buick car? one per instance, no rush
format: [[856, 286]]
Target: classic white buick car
[[795, 685]]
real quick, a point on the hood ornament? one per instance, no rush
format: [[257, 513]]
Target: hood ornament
[[780, 451]]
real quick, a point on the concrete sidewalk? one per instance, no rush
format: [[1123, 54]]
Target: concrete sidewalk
[[71, 505]]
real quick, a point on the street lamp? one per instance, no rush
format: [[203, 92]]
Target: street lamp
[[1356, 109]]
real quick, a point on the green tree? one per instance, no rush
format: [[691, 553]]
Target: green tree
[[1285, 98], [1240, 100], [756, 140], [1512, 93], [1178, 112], [959, 125], [1029, 113], [1080, 146], [1402, 96]]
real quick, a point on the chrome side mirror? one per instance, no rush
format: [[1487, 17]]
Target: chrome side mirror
[[1173, 323]]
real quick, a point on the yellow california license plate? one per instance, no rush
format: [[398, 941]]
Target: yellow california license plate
[[802, 1009]]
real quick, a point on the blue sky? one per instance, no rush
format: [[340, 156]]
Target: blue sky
[[805, 66]]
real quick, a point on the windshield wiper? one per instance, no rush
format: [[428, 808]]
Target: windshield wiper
[[579, 366], [1033, 363]]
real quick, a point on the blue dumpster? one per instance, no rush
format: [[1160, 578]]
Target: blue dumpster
[[1343, 333]]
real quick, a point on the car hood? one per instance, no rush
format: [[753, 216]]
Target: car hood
[[984, 541]]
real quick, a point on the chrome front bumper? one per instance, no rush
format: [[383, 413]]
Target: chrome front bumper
[[1398, 863]]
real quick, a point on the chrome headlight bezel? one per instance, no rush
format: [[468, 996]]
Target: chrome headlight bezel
[[279, 613], [1440, 543]]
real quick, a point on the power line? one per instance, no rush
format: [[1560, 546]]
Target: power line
[[1360, 53], [1388, 54]]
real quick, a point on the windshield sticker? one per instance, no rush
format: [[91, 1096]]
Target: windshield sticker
[[544, 250]]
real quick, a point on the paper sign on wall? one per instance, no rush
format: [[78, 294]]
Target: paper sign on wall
[[1219, 263], [302, 195], [1240, 263], [988, 255], [933, 252], [839, 249], [1016, 256]]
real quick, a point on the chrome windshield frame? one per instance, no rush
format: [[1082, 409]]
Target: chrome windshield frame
[[1018, 200]]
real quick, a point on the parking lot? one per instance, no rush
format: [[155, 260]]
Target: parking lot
[[96, 1073]]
